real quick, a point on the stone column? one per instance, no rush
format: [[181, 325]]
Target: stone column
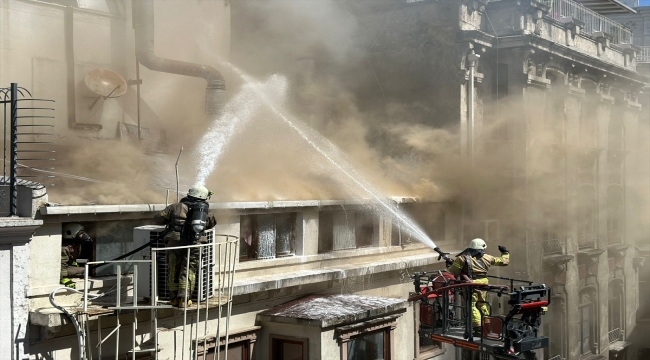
[[15, 234]]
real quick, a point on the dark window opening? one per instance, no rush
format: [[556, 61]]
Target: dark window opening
[[347, 229], [585, 329], [283, 348], [267, 236], [614, 215], [644, 293]]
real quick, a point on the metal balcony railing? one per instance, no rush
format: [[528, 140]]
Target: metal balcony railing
[[586, 241], [553, 246], [615, 335], [556, 357], [593, 21], [644, 55]]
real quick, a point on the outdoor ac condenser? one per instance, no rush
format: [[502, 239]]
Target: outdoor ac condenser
[[147, 233]]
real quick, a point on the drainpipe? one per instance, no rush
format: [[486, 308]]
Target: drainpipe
[[143, 23], [471, 60]]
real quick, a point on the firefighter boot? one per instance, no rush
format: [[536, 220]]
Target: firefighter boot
[[477, 331], [68, 283], [182, 303], [174, 302]]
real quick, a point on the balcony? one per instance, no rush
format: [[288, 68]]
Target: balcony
[[644, 55], [586, 241], [594, 21], [612, 6], [553, 246]]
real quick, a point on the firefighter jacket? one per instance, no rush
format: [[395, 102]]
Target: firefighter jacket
[[479, 267], [174, 217]]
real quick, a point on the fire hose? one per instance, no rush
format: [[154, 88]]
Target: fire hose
[[81, 336]]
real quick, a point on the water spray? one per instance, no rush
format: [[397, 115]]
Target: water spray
[[327, 149]]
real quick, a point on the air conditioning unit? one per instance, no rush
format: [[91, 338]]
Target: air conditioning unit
[[147, 233]]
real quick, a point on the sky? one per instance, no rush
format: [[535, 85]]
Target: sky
[[644, 2]]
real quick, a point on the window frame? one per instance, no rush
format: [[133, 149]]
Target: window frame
[[581, 321], [248, 336], [274, 338], [387, 324]]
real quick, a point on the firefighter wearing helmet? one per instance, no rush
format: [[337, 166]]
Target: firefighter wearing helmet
[[474, 263], [74, 239], [185, 222]]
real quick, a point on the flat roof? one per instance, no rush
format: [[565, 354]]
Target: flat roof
[[330, 310]]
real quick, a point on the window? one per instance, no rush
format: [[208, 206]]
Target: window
[[266, 236], [615, 131], [346, 229], [370, 346], [236, 351], [586, 322], [644, 293], [367, 341], [240, 346], [286, 348], [615, 307]]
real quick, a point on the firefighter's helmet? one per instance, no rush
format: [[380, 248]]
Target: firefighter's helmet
[[70, 231], [199, 192], [477, 244]]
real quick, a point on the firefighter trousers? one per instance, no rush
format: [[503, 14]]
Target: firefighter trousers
[[479, 299], [180, 278]]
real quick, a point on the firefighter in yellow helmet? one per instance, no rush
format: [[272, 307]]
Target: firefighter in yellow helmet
[[74, 239], [474, 263]]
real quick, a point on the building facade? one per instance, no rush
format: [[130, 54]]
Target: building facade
[[548, 110]]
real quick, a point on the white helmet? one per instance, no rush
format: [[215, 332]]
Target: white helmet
[[477, 244], [199, 192], [70, 231]]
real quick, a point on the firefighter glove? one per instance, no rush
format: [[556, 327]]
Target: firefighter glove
[[503, 249], [449, 262], [68, 283]]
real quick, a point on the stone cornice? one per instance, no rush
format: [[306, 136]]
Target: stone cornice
[[17, 230]]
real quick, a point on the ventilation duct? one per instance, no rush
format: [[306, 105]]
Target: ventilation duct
[[143, 23]]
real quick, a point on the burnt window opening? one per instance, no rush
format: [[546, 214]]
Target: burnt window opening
[[267, 236], [347, 229], [240, 347], [434, 219]]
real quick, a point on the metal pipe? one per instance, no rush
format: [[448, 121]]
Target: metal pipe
[[117, 318], [176, 166], [471, 59], [143, 23], [13, 190], [137, 89]]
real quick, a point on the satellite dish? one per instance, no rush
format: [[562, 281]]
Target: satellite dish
[[106, 83]]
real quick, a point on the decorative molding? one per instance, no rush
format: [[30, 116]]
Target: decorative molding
[[19, 234]]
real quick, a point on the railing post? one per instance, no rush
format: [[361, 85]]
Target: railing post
[[13, 206]]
